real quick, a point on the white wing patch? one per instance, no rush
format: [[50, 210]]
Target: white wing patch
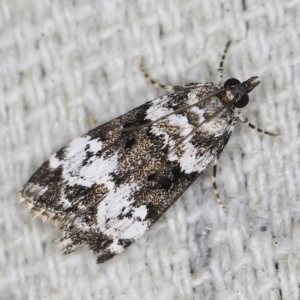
[[189, 158], [97, 170]]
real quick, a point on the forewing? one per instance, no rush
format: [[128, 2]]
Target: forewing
[[107, 187]]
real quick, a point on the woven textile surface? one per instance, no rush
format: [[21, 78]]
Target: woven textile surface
[[61, 60]]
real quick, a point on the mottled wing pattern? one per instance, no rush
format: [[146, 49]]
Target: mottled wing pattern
[[107, 187]]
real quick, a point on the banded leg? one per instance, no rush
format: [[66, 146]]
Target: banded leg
[[155, 83], [245, 121], [221, 69], [215, 188]]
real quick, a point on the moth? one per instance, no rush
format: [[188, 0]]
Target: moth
[[109, 186]]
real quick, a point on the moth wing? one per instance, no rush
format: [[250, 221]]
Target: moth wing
[[107, 187]]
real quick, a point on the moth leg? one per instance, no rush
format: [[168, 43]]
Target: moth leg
[[93, 121], [215, 188], [245, 121], [156, 84], [221, 69]]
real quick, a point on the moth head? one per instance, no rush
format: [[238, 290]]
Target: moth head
[[237, 92]]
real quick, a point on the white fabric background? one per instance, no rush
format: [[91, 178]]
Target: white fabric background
[[62, 59]]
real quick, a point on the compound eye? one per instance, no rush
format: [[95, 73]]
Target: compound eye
[[231, 82], [242, 102]]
